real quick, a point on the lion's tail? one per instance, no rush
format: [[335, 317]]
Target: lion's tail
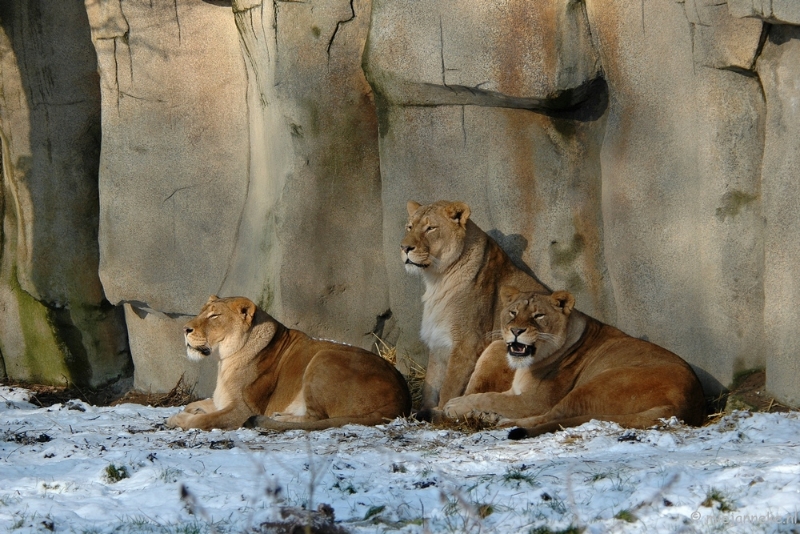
[[371, 419]]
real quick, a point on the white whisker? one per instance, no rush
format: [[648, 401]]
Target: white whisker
[[552, 339], [494, 334]]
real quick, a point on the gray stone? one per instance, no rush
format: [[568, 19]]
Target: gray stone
[[159, 354], [173, 167], [779, 70], [435, 53], [678, 201], [773, 11]]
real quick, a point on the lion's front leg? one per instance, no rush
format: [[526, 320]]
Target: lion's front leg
[[460, 365], [506, 405], [229, 418], [434, 377]]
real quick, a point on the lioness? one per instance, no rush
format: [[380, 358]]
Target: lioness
[[463, 269], [571, 368], [268, 369]]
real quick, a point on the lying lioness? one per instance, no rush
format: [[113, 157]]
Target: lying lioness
[[571, 368], [268, 369]]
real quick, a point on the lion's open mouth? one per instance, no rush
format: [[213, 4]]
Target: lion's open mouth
[[520, 350]]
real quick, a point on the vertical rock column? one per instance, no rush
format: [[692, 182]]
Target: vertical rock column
[[314, 209], [681, 183], [173, 171], [55, 323], [779, 69]]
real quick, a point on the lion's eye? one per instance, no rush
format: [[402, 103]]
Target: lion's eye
[[213, 316], [430, 229], [538, 316], [513, 313], [408, 228]]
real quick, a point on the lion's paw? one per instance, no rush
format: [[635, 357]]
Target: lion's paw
[[458, 407], [179, 420], [505, 423]]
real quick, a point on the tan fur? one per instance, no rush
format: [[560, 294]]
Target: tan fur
[[463, 269], [579, 369], [286, 378]]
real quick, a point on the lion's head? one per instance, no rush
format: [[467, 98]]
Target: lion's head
[[222, 325], [434, 237], [534, 324]]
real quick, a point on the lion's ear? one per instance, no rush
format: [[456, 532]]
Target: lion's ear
[[211, 299], [563, 300], [245, 308], [412, 207], [508, 294], [458, 212]]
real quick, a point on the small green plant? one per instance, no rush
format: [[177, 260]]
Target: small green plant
[[374, 510], [517, 475], [557, 505], [170, 475], [191, 528], [716, 496], [19, 523], [598, 476], [625, 515], [115, 474], [345, 486]]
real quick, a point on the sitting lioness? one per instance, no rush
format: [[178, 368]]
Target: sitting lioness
[[571, 368], [463, 269], [267, 369]]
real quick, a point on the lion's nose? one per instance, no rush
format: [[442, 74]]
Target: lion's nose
[[406, 249], [187, 330], [518, 331]]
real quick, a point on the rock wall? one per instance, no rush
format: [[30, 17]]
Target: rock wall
[[239, 157], [641, 155], [55, 323]]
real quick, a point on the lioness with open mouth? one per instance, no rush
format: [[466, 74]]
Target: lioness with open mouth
[[571, 368], [283, 377]]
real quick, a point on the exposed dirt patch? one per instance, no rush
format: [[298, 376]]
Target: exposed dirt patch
[[749, 393]]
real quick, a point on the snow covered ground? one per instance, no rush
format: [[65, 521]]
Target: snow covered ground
[[80, 468]]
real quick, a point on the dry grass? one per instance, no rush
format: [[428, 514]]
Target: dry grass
[[180, 395], [414, 375]]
